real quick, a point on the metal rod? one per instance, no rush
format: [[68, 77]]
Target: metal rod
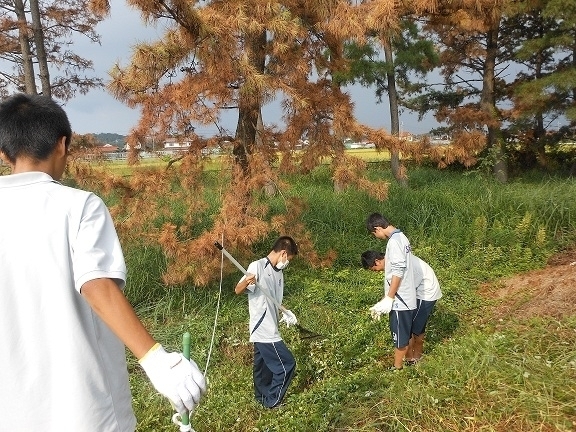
[[243, 270], [310, 333]]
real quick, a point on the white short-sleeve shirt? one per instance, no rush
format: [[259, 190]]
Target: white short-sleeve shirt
[[263, 324], [61, 368], [398, 262], [427, 285]]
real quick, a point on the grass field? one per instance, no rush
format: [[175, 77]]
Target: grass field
[[213, 163], [479, 374]]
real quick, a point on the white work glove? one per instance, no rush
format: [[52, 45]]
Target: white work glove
[[382, 307], [175, 377], [289, 318]]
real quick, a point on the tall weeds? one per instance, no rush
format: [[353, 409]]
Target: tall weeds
[[471, 231]]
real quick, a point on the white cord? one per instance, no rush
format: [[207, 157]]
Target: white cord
[[176, 416], [217, 311], [183, 428]]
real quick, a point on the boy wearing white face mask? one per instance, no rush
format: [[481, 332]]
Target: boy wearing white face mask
[[274, 364]]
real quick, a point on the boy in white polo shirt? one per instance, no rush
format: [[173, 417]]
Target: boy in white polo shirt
[[274, 365], [399, 299], [427, 292], [64, 320]]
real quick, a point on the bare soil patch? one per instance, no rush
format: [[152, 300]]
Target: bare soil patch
[[547, 292]]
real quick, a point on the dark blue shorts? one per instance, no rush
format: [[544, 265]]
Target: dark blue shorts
[[421, 314], [401, 327]]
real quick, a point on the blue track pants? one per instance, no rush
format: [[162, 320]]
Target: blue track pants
[[274, 367]]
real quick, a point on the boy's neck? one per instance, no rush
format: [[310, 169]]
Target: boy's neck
[[389, 230]]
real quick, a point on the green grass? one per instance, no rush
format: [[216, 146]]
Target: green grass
[[517, 376], [121, 168]]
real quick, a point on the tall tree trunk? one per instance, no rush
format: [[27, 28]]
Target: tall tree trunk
[[573, 167], [270, 188], [27, 64], [40, 50], [538, 146], [574, 66], [249, 102], [488, 105], [396, 165]]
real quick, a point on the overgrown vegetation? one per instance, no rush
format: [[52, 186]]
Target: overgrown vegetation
[[475, 376]]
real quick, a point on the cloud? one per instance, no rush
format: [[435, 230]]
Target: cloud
[[99, 112]]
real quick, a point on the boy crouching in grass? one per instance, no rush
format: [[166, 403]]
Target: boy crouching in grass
[[427, 292]]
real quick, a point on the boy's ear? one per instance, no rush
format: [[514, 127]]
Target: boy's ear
[[61, 146]]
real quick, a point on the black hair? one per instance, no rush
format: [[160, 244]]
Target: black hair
[[31, 126], [286, 243], [376, 220], [369, 258]]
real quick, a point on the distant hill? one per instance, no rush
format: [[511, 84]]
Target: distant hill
[[111, 138]]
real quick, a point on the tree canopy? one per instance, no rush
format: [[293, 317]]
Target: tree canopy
[[35, 47], [216, 56]]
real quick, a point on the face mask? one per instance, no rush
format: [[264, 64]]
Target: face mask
[[282, 265]]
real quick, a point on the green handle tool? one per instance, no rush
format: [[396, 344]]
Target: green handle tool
[[186, 353]]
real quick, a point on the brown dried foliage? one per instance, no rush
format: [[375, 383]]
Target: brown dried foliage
[[241, 221], [349, 171], [212, 52], [99, 7], [60, 21], [464, 148]]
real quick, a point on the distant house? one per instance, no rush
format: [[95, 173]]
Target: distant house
[[406, 136], [127, 147], [107, 148], [443, 139], [350, 144], [177, 144]]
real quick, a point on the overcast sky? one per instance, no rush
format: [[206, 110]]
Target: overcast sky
[[98, 112]]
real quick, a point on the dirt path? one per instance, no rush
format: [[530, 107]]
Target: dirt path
[[550, 291]]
